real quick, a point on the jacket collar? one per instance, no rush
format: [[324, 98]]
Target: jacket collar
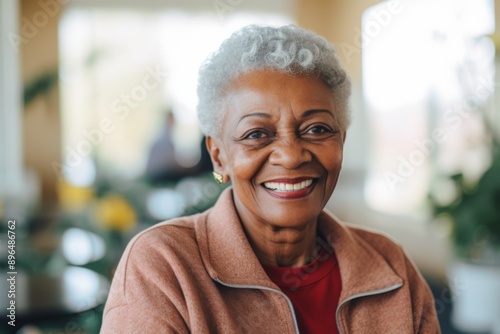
[[362, 268], [225, 250], [228, 256]]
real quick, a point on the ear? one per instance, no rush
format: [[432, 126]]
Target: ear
[[219, 157]]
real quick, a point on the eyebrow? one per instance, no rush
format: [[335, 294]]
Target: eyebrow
[[305, 114], [255, 114], [308, 113]]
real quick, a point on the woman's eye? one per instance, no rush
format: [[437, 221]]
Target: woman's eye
[[256, 135], [318, 129], [259, 136]]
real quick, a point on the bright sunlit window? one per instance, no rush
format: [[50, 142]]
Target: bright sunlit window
[[427, 67], [121, 71]]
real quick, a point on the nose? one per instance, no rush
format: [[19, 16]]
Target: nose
[[289, 154]]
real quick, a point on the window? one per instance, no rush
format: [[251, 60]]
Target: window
[[427, 69]]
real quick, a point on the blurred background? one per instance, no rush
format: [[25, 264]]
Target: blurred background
[[99, 140]]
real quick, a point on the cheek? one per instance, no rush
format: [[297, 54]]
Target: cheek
[[335, 161], [245, 164], [331, 157]]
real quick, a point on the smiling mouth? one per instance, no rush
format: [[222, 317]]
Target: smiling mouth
[[288, 187]]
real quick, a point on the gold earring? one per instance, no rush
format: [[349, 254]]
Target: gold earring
[[218, 177]]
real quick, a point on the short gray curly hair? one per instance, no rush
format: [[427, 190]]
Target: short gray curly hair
[[287, 49]]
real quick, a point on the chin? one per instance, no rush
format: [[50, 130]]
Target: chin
[[291, 219]]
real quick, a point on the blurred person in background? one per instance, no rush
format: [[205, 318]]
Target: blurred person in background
[[162, 164], [268, 258]]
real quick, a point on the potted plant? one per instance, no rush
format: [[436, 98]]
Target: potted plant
[[474, 276]]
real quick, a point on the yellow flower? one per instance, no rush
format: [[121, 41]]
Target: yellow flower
[[115, 213], [74, 198]]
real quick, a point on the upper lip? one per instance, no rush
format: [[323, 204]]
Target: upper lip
[[288, 180]]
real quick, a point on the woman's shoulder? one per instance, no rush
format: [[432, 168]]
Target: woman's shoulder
[[168, 229], [168, 240], [159, 261]]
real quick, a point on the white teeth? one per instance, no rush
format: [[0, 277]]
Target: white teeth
[[287, 186]]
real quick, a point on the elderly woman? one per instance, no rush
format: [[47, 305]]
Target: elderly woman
[[267, 258]]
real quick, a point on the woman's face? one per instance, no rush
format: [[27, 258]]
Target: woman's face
[[281, 146]]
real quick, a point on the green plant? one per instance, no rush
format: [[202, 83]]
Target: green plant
[[40, 86], [475, 211]]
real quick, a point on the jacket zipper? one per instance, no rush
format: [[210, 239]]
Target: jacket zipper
[[364, 294], [257, 287]]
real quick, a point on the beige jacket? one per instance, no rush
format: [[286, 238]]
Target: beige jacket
[[199, 274]]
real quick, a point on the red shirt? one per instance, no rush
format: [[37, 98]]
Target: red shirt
[[314, 290]]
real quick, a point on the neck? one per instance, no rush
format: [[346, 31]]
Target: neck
[[282, 247]]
